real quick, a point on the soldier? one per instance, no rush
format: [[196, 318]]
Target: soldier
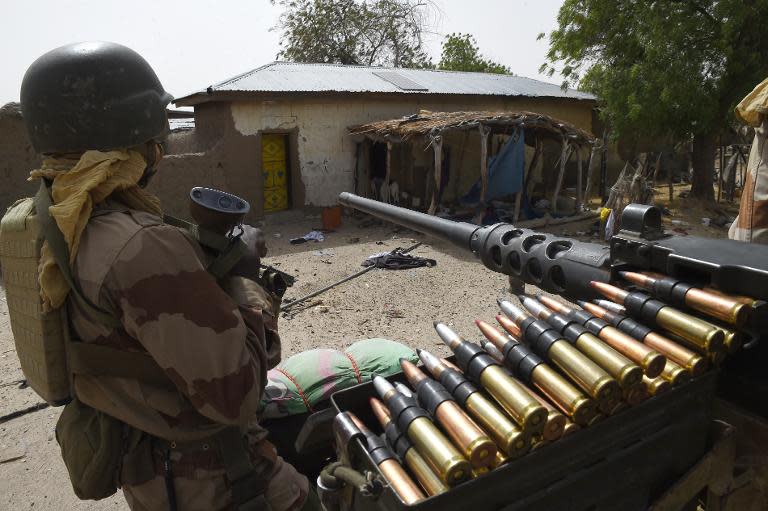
[[98, 113], [751, 225]]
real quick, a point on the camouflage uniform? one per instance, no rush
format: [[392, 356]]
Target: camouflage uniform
[[215, 348]]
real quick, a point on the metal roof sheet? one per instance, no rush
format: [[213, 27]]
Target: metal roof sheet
[[296, 77]]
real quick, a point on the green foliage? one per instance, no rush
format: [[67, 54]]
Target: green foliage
[[460, 53], [664, 68], [361, 32]]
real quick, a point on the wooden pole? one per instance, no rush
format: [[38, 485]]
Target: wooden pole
[[563, 160], [484, 133], [437, 146], [579, 184], [590, 166], [523, 185], [389, 172], [720, 174]]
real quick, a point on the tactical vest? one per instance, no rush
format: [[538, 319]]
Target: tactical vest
[[49, 357]]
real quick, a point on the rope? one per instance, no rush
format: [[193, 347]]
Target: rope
[[298, 388], [354, 367]]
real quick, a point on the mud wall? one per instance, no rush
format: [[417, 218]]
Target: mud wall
[[325, 151], [17, 157]]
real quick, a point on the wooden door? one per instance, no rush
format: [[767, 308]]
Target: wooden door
[[274, 165]]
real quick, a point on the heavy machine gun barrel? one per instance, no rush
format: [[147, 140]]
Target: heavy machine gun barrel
[[566, 266]]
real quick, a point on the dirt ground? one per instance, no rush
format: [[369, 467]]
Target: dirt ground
[[399, 305]]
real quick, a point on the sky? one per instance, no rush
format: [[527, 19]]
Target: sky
[[195, 43]]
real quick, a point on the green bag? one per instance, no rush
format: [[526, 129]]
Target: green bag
[[91, 445]]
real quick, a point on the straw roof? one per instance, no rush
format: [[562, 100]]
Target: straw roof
[[433, 123]]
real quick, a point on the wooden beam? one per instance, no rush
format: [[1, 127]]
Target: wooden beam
[[579, 183], [437, 146], [564, 155], [590, 167], [538, 149], [484, 133]]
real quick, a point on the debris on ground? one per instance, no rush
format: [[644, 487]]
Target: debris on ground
[[315, 236]]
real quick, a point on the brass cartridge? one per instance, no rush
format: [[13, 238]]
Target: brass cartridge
[[444, 459], [504, 432], [716, 305], [699, 334], [625, 371], [675, 374], [650, 360], [401, 482], [508, 392], [390, 468], [559, 391], [657, 386], [580, 369], [415, 462], [677, 353], [472, 441]]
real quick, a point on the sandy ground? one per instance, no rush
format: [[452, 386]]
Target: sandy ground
[[399, 305]]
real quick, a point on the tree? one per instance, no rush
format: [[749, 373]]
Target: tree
[[361, 32], [664, 68], [460, 53]]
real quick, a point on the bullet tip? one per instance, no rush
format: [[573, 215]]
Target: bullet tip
[[623, 274], [418, 352], [580, 303], [435, 323]]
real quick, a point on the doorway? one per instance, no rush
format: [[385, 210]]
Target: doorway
[[274, 168]]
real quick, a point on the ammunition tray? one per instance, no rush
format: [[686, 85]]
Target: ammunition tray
[[623, 463]]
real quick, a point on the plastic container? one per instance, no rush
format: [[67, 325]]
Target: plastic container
[[620, 464], [331, 218]]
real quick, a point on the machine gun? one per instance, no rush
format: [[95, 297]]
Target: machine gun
[[569, 268], [565, 266]]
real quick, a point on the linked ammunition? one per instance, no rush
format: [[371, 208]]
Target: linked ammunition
[[406, 451], [650, 360], [530, 368], [549, 344], [512, 441], [444, 459], [690, 360], [699, 334], [677, 292], [657, 386], [617, 365], [555, 420], [390, 468], [675, 374], [403, 389], [509, 393], [472, 441], [734, 311], [611, 306]]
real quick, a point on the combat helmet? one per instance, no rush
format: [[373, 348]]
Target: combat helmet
[[92, 95]]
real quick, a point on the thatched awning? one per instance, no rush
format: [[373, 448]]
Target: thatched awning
[[433, 123]]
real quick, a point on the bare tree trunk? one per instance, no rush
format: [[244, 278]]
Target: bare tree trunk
[[703, 166]]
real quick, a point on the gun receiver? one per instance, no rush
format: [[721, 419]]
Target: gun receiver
[[566, 266]]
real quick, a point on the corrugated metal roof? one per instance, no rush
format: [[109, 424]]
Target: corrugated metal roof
[[295, 77]]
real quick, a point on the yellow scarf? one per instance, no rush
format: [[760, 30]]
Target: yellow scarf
[[78, 186]]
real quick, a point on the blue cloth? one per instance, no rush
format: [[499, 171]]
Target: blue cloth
[[505, 172]]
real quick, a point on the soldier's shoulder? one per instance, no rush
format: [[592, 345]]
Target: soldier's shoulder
[[118, 236]]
